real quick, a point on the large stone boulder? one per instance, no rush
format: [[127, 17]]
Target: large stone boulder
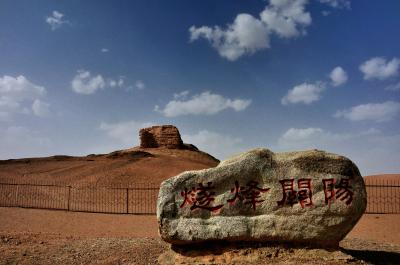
[[160, 136], [311, 197]]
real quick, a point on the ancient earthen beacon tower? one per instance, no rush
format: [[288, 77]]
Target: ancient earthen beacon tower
[[160, 136]]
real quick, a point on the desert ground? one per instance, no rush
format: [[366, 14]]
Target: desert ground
[[37, 236]]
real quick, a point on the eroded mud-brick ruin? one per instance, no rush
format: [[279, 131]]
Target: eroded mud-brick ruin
[[167, 136]]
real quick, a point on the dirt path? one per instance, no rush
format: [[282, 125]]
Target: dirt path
[[76, 223], [376, 227]]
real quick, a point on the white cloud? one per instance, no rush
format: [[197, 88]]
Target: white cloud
[[140, 85], [245, 36], [205, 103], [56, 20], [286, 18], [380, 155], [126, 132], [84, 83], [314, 137], [112, 83], [8, 107], [393, 87], [40, 108], [304, 93], [338, 76], [294, 135], [17, 141], [379, 68], [346, 4], [116, 83], [17, 94], [19, 88], [219, 145], [248, 34], [104, 50], [379, 112]]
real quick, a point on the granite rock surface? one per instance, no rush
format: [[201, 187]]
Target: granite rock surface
[[307, 197]]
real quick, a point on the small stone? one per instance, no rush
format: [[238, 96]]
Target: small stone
[[308, 197]]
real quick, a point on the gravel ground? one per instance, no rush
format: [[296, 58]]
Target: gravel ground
[[50, 249]]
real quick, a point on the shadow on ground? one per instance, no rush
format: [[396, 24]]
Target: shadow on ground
[[374, 256]]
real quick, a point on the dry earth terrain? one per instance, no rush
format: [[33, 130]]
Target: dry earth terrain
[[135, 165], [34, 236]]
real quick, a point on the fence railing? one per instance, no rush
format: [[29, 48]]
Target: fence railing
[[138, 198], [141, 198], [383, 196]]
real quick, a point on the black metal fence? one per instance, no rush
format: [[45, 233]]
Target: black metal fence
[[383, 196], [141, 198], [138, 198]]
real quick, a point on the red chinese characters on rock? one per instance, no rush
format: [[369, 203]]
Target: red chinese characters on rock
[[291, 196], [203, 196], [250, 194], [200, 198], [334, 191]]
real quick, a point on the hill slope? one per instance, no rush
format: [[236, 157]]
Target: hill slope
[[136, 165]]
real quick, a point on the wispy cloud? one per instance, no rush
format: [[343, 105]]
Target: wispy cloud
[[140, 85], [378, 112], [119, 82], [339, 4], [56, 20], [393, 87], [85, 83], [40, 108], [217, 144], [370, 149], [313, 137], [125, 132], [19, 141]]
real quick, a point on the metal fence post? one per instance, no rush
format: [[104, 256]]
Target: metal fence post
[[127, 200], [17, 196], [69, 197]]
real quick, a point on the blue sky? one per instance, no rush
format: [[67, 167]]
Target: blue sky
[[83, 77]]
